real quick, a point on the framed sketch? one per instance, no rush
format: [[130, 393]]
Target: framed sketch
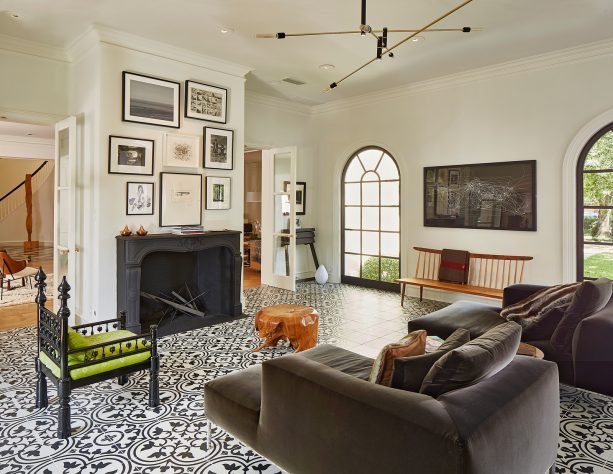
[[500, 195], [218, 148], [218, 192], [150, 100], [180, 199], [205, 102], [130, 155], [182, 151], [139, 199], [300, 196]]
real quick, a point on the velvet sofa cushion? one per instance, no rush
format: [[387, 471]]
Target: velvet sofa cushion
[[409, 372], [411, 345], [590, 297], [340, 359], [474, 361]]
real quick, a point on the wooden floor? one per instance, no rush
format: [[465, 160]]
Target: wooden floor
[[251, 278], [23, 315]]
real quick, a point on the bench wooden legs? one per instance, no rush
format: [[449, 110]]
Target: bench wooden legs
[[403, 287], [421, 293]]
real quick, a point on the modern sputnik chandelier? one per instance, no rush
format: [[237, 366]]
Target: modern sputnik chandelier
[[381, 35]]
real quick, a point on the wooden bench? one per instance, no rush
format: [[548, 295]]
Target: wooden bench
[[488, 274]]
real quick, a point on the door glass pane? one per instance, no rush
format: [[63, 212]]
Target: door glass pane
[[598, 189], [390, 244], [370, 176], [352, 218], [282, 209], [390, 269], [352, 265], [600, 157], [370, 268], [598, 261], [387, 169], [370, 158], [352, 241], [390, 219], [352, 194], [63, 217], [370, 218], [390, 193], [63, 165], [370, 243], [283, 171], [597, 225], [370, 194], [280, 255], [354, 171]]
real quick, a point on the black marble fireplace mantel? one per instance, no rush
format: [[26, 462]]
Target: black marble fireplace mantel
[[211, 261]]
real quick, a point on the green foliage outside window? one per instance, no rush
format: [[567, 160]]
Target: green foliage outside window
[[390, 269]]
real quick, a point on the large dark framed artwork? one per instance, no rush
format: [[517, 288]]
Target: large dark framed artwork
[[499, 196], [150, 100]]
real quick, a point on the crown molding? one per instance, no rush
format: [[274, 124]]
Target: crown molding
[[32, 48], [539, 62], [277, 103]]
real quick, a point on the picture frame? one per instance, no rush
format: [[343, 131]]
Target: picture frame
[[180, 199], [150, 100], [300, 196], [218, 148], [218, 194], [133, 156], [139, 198], [206, 102], [181, 151]]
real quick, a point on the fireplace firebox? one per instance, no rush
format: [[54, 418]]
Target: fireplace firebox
[[207, 266]]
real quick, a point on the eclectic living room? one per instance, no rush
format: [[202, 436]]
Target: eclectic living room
[[306, 237]]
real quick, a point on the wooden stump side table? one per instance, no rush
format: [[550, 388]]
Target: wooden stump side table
[[530, 351], [294, 322]]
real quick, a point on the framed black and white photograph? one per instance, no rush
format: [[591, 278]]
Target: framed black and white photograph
[[150, 100], [180, 199], [218, 148], [139, 199], [218, 192], [205, 102], [181, 151], [130, 155], [300, 196]]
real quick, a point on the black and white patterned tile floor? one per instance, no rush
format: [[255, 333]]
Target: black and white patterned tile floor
[[115, 431]]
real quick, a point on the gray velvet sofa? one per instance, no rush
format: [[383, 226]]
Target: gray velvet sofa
[[315, 412], [589, 362]]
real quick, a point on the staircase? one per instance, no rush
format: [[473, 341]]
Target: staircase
[[14, 199]]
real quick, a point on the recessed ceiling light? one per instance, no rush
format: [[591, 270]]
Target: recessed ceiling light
[[327, 67], [3, 117], [14, 15], [29, 134], [417, 39], [226, 31]]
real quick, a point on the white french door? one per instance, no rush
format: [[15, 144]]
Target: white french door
[[64, 258], [279, 217]]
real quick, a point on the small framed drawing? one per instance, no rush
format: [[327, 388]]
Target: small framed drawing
[[218, 192], [182, 151], [205, 102], [218, 148], [180, 199], [300, 196], [139, 199], [130, 155], [150, 100]]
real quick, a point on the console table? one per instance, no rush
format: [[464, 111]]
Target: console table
[[304, 236]]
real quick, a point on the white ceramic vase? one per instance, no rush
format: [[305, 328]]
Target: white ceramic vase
[[321, 275]]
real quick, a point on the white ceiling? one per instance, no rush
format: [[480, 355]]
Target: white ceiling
[[15, 129], [513, 29]]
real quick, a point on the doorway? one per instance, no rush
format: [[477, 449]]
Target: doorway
[[252, 244]]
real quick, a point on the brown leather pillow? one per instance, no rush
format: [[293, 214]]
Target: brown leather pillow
[[590, 297], [409, 372], [411, 345], [476, 360]]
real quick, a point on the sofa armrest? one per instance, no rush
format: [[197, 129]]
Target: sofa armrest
[[318, 419], [509, 422], [515, 293], [593, 352]]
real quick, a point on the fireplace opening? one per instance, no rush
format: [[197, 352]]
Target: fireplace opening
[[181, 291]]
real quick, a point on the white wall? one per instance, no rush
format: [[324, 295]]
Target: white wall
[[271, 123], [525, 116]]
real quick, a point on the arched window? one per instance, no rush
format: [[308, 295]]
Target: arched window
[[370, 221], [595, 207]]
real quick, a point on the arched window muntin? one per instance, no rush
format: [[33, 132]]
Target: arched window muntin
[[370, 219], [592, 214]]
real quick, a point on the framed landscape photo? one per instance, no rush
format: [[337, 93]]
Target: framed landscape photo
[[180, 199], [139, 199], [130, 155], [182, 151], [150, 100], [218, 192], [300, 196], [205, 102], [218, 148]]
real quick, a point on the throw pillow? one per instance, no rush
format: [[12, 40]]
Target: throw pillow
[[409, 372], [454, 266], [474, 361], [590, 297], [531, 310], [542, 327], [411, 345]]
